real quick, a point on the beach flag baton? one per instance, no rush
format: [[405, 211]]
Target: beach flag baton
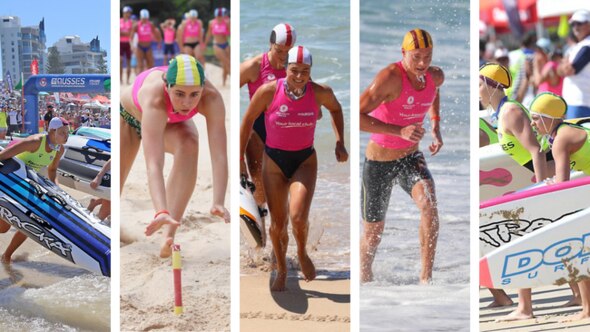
[[177, 270]]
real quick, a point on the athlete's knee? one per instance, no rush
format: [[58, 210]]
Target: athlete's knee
[[299, 221], [189, 144], [4, 226]]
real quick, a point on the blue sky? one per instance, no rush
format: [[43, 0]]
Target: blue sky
[[85, 18]]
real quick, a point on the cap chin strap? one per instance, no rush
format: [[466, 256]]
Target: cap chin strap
[[492, 113]]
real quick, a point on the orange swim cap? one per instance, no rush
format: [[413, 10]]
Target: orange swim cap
[[416, 38]]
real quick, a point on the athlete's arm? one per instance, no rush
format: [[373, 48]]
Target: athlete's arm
[[208, 36], [213, 110], [156, 32], [258, 104], [515, 122], [561, 156], [98, 178], [326, 98], [153, 125], [434, 111], [179, 36], [52, 168], [249, 70], [30, 145]]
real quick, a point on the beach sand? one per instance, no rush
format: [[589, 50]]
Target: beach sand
[[147, 291], [320, 305], [547, 308]]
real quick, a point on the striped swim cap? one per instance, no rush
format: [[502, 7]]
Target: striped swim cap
[[185, 70], [549, 105], [283, 34], [299, 54], [193, 13], [221, 11], [415, 39], [144, 13], [495, 75]]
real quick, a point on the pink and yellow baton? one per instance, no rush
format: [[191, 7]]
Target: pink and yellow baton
[[177, 271]]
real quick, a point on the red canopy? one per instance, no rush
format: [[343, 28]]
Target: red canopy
[[101, 99], [492, 13]]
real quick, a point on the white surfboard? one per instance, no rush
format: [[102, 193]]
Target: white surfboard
[[557, 254], [250, 219], [507, 218]]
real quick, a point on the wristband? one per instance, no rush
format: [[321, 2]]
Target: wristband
[[161, 212], [435, 118]]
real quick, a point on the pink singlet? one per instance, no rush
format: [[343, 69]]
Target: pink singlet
[[267, 74], [126, 26], [219, 28], [410, 107], [169, 36], [290, 124], [173, 117], [144, 32], [191, 30]]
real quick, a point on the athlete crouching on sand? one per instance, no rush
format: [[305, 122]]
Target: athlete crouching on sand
[[570, 145], [399, 98], [289, 165], [157, 109], [36, 151]]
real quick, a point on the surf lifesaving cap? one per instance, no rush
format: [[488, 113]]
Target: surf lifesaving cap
[[299, 54], [185, 70], [127, 9], [495, 75], [220, 12], [283, 34], [57, 123], [144, 13], [548, 105], [415, 39], [193, 13]]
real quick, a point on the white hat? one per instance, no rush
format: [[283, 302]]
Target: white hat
[[193, 13], [127, 9], [500, 53], [57, 123], [283, 34], [581, 16], [144, 13], [300, 54]]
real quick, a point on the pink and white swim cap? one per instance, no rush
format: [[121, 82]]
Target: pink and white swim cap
[[299, 54], [283, 34]]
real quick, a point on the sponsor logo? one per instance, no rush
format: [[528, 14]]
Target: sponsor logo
[[94, 82], [559, 255], [68, 81], [508, 146], [43, 82], [283, 108], [410, 100], [39, 233], [271, 77], [306, 114]]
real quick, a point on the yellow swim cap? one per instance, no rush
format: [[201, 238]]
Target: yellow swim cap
[[416, 38], [497, 74], [549, 105], [185, 70]]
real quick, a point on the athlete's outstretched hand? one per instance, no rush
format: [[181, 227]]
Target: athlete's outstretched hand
[[341, 153], [158, 222], [437, 142], [220, 211], [413, 132]]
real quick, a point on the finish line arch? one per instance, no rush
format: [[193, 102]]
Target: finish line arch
[[94, 83]]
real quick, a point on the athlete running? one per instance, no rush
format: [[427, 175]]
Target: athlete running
[[126, 25], [190, 36], [146, 33], [219, 30], [169, 37]]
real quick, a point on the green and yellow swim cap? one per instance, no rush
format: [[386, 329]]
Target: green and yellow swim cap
[[185, 70], [415, 39], [549, 105], [496, 75]]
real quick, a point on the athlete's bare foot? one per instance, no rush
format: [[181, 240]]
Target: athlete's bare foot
[[166, 250], [5, 260], [280, 282], [576, 317], [514, 316], [160, 221], [574, 302], [427, 281], [307, 267], [93, 203], [498, 304]]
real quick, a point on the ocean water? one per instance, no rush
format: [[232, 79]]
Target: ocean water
[[324, 28], [46, 293], [395, 296]]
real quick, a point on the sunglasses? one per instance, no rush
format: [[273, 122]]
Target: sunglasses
[[574, 24]]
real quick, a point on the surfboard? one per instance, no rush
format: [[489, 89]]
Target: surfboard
[[556, 254], [508, 218], [250, 218], [93, 132], [82, 161], [42, 211]]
